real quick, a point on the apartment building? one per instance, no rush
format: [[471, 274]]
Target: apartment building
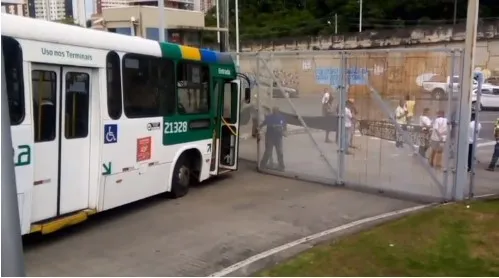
[[206, 5], [50, 9], [104, 4], [15, 7]]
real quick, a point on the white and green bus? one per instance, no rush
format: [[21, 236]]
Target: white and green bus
[[100, 120]]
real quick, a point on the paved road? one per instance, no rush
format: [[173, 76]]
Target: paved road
[[488, 118], [376, 166], [216, 225]]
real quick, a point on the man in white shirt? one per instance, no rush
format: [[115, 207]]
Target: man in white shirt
[[425, 124], [471, 138], [401, 119], [348, 127], [327, 112], [325, 96], [438, 138]]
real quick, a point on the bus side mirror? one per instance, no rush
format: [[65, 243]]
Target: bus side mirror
[[247, 95]]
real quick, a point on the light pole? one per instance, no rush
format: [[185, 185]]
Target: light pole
[[237, 31], [335, 23], [217, 4], [162, 27], [455, 12], [360, 16]]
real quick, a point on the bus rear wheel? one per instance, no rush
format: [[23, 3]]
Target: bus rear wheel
[[181, 179]]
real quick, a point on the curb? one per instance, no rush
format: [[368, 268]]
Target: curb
[[276, 255]]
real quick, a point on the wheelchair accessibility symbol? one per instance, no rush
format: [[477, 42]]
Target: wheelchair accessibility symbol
[[110, 134]]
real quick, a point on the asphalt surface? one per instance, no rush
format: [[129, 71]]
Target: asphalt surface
[[216, 225], [488, 119]]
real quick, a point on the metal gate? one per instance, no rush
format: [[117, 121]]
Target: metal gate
[[356, 140]]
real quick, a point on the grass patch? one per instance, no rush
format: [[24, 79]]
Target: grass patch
[[449, 240]]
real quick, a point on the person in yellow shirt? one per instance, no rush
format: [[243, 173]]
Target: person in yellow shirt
[[409, 105]]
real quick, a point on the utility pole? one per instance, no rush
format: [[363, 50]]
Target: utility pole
[[12, 250], [336, 24], [461, 180], [237, 30], [217, 3], [162, 27], [224, 22], [360, 16], [455, 12]]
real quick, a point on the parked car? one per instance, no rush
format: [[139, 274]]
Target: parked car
[[439, 90], [488, 100]]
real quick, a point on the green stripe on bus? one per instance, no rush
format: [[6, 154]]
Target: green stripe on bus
[[171, 51]]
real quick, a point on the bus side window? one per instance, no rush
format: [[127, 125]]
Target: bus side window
[[114, 99], [166, 86], [13, 63], [77, 105], [44, 84], [142, 88], [193, 96]]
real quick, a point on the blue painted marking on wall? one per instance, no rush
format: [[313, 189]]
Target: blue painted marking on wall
[[332, 76], [110, 134]]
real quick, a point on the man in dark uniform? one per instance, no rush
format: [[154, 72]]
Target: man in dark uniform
[[276, 129]]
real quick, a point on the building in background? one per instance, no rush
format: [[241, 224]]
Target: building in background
[[15, 7], [206, 5], [104, 4], [53, 10], [184, 26], [80, 13], [190, 5]]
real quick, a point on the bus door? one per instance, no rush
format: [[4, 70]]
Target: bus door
[[61, 115], [228, 149]]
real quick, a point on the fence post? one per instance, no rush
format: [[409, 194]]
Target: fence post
[[258, 111], [448, 146], [471, 193], [457, 123], [465, 101], [341, 118]]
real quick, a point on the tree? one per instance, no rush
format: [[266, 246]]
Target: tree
[[270, 19], [67, 20]]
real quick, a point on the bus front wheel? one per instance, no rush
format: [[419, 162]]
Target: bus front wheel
[[181, 178]]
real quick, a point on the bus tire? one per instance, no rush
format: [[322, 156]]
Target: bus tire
[[181, 178]]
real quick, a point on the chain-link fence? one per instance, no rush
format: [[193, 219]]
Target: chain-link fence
[[356, 118]]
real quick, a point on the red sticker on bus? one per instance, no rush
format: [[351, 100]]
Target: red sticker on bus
[[144, 148]]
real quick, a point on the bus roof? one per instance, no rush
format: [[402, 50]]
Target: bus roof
[[46, 31]]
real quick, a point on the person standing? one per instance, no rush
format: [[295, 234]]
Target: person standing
[[472, 127], [348, 127], [425, 124], [355, 113], [438, 138], [327, 112], [495, 154], [410, 104], [276, 130], [401, 119]]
